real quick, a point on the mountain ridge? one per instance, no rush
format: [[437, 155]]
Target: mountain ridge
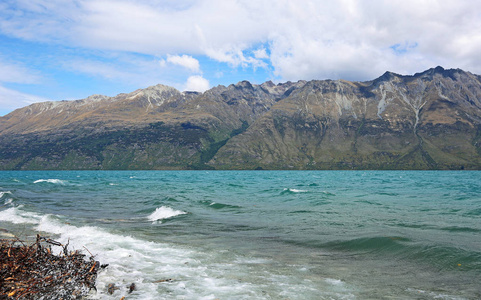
[[429, 120]]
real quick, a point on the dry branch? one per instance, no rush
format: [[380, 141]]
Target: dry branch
[[33, 272]]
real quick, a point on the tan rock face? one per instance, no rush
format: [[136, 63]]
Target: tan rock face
[[425, 121], [429, 120]]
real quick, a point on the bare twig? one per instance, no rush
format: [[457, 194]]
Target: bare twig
[[33, 272]]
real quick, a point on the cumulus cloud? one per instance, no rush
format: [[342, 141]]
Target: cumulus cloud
[[261, 53], [196, 83], [351, 39], [185, 61]]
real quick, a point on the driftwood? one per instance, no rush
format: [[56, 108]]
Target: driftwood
[[34, 272]]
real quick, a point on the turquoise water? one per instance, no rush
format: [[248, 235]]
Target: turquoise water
[[261, 234]]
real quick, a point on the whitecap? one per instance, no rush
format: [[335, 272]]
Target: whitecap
[[4, 193], [295, 190], [164, 212], [7, 200], [334, 281], [298, 191], [16, 216], [54, 181]]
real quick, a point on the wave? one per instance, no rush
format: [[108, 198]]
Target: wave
[[54, 181], [328, 194], [292, 191], [164, 212], [373, 244], [216, 205], [369, 202], [474, 212], [301, 212], [8, 200], [4, 193], [460, 229], [16, 216], [159, 270], [441, 257]]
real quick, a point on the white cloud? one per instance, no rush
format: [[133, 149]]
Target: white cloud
[[261, 53], [185, 61], [12, 99], [15, 72], [196, 83], [304, 39]]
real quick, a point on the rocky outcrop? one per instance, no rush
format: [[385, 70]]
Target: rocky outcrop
[[430, 120], [427, 121]]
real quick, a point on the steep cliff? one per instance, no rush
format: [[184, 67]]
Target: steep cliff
[[431, 120], [427, 121]]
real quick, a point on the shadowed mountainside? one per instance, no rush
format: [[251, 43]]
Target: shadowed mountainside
[[430, 120]]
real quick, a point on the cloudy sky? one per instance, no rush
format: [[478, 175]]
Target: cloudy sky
[[70, 49]]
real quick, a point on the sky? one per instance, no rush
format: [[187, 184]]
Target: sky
[[54, 50]]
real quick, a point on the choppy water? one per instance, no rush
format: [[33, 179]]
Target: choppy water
[[261, 234]]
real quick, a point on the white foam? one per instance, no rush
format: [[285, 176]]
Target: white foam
[[334, 281], [165, 271], [54, 181], [5, 193], [296, 190], [7, 200], [159, 271], [164, 212], [17, 216]]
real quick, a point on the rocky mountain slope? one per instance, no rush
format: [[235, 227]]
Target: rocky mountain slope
[[431, 120]]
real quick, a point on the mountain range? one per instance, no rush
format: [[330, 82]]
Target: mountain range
[[430, 120]]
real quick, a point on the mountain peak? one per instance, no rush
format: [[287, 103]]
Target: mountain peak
[[96, 97], [244, 84], [387, 76], [425, 121], [161, 88], [441, 71]]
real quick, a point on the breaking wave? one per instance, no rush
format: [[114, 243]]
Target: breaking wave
[[159, 271], [293, 191], [4, 193], [164, 212], [54, 181]]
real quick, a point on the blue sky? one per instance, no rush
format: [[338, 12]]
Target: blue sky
[[66, 50]]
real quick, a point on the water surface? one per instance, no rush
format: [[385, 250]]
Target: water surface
[[261, 234]]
